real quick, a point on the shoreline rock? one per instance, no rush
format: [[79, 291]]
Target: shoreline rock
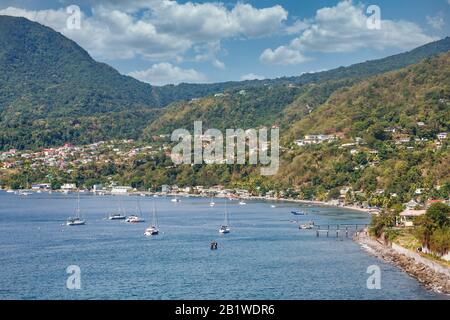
[[431, 279]]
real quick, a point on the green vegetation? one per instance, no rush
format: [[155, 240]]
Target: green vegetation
[[431, 230], [53, 92]]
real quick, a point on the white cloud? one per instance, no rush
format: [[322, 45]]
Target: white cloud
[[209, 52], [159, 29], [252, 76], [282, 56], [437, 22], [297, 27], [166, 73], [343, 28]]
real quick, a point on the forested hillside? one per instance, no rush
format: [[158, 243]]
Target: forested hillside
[[53, 92]]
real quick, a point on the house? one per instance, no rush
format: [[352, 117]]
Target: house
[[411, 204], [407, 217], [315, 139], [120, 190], [165, 188], [68, 186], [442, 136], [41, 186]]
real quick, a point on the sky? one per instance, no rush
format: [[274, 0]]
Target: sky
[[168, 42]]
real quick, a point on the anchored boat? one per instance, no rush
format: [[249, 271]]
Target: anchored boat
[[153, 230], [76, 221], [225, 227]]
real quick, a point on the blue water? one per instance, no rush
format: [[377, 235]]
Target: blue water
[[264, 257]]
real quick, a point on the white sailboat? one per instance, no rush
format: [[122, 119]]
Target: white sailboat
[[212, 203], [136, 218], [225, 228], [76, 221], [153, 229]]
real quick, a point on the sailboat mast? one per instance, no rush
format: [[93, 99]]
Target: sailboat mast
[[226, 212], [154, 219], [78, 204]]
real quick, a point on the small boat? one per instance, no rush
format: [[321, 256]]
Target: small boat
[[24, 193], [273, 206], [298, 213], [76, 221], [242, 203], [120, 214], [143, 195], [134, 219], [175, 199], [10, 191], [117, 216], [306, 226], [212, 203], [225, 227], [153, 229], [39, 191]]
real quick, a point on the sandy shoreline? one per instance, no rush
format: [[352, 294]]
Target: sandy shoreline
[[436, 279]]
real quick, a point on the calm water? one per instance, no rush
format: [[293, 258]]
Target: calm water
[[264, 257]]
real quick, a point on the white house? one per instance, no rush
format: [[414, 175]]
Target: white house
[[120, 190], [442, 136], [407, 216], [68, 186]]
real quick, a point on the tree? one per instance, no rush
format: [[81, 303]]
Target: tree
[[439, 213], [440, 241]]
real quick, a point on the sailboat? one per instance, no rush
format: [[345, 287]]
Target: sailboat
[[212, 203], [135, 218], [242, 202], [153, 230], [225, 227], [120, 215], [77, 221]]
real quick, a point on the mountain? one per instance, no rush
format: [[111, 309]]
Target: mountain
[[53, 92], [311, 91], [43, 70], [186, 91]]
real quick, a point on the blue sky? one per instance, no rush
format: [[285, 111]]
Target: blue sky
[[163, 41]]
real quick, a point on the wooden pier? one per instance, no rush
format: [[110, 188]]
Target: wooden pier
[[338, 229]]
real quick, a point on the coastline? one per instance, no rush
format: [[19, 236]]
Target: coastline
[[432, 276], [273, 199]]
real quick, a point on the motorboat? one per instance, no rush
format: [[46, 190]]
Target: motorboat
[[117, 216]]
